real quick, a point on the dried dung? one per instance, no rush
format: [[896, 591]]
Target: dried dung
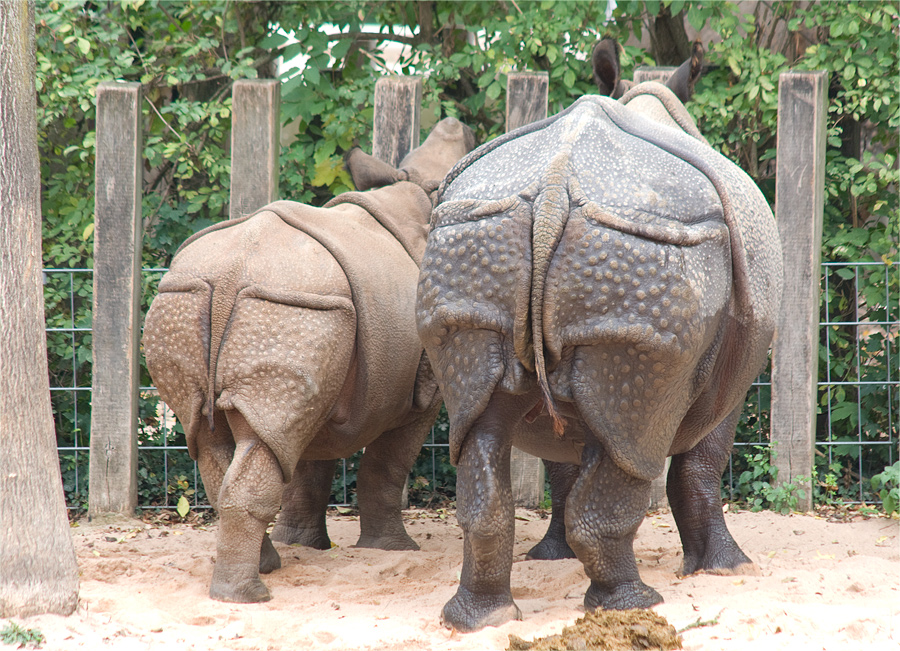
[[608, 630]]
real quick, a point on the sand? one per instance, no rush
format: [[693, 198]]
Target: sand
[[822, 585]]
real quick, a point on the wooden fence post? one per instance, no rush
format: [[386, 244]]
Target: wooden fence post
[[255, 145], [799, 201], [395, 133], [526, 102], [117, 297], [398, 102]]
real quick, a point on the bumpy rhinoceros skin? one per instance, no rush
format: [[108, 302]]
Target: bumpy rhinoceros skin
[[286, 340], [616, 272], [694, 476]]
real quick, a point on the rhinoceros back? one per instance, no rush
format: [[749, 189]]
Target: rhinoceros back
[[597, 227], [308, 290]]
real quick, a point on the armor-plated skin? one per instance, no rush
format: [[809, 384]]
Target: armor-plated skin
[[618, 273], [286, 340]]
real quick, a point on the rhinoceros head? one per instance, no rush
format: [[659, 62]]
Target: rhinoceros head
[[607, 72], [425, 166]]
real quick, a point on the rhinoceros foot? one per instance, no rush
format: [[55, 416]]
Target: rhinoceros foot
[[390, 543], [238, 584], [625, 596], [726, 559], [467, 612], [550, 549], [315, 537]]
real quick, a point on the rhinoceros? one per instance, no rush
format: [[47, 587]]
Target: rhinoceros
[[287, 339], [608, 268], [694, 476]]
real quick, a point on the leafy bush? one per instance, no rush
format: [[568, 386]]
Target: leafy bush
[[887, 484], [754, 486]]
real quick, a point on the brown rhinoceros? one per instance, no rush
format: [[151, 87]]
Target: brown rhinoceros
[[287, 339], [608, 267]]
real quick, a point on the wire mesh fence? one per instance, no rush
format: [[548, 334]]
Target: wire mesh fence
[[858, 399]]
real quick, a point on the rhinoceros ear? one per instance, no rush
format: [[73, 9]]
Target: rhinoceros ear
[[605, 60], [682, 80], [369, 172]]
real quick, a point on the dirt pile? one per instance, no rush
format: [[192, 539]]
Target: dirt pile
[[608, 630]]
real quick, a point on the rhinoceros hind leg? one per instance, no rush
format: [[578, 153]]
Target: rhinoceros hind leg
[[215, 450], [693, 491], [247, 503], [553, 545], [303, 506], [486, 514], [605, 509], [383, 471]]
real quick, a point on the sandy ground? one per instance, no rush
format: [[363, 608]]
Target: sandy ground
[[822, 585]]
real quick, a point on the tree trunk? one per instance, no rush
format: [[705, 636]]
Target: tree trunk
[[668, 40], [38, 570]]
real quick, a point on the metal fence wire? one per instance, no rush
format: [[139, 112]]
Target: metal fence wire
[[858, 400]]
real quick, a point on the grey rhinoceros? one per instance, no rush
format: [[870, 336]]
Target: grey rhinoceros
[[608, 268], [694, 477], [286, 340]]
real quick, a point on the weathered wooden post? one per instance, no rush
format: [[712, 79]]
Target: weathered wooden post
[[799, 202], [117, 297], [526, 102], [398, 102], [395, 133], [255, 145]]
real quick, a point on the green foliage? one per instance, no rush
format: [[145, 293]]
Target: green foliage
[[755, 485], [887, 483], [21, 637]]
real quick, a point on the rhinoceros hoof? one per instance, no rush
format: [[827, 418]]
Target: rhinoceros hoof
[[387, 543], [269, 560], [625, 596], [467, 612], [304, 536], [550, 550], [727, 560], [245, 590]]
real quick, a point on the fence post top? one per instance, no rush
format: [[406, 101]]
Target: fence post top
[[527, 73], [115, 84], [257, 82], [398, 79], [797, 74]]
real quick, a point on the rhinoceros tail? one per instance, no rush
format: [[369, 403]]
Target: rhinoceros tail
[[551, 212], [221, 307]]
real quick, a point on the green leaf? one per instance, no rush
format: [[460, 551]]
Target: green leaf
[[84, 45], [312, 76], [272, 41], [183, 506]]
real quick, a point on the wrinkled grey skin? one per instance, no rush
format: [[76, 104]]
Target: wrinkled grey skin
[[286, 340], [609, 268], [694, 477]]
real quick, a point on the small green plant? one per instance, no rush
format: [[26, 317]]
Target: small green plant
[[887, 484], [14, 634], [755, 486]]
